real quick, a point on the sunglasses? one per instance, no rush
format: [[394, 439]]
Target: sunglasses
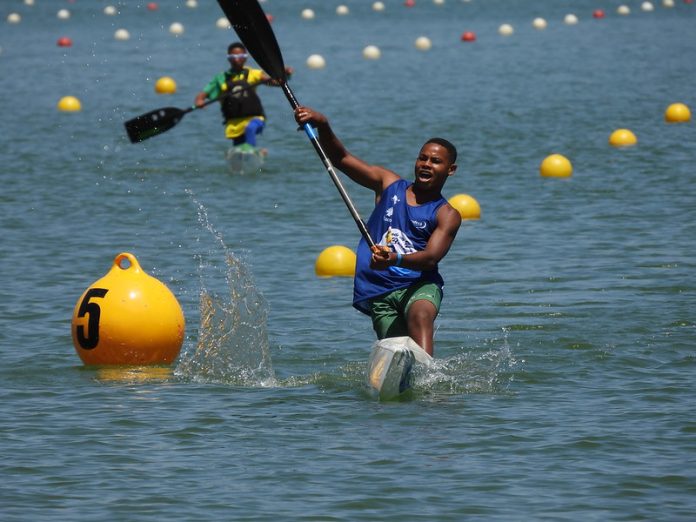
[[237, 56]]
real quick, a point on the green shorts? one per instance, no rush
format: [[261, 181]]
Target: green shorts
[[389, 311]]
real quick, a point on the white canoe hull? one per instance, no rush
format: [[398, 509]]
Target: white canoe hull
[[390, 368]]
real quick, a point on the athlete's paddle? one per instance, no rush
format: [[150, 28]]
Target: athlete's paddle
[[251, 25], [161, 120]]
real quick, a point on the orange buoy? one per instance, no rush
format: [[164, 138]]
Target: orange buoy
[[127, 318]]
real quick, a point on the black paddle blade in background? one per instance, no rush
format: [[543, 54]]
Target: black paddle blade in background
[[153, 123], [251, 25]]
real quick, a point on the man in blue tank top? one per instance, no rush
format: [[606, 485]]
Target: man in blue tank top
[[398, 283]]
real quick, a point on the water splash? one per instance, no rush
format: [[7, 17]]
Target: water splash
[[232, 344]]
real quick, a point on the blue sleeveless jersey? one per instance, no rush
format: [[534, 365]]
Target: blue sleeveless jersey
[[405, 229]]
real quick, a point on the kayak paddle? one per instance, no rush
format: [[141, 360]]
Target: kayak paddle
[[161, 120], [251, 25]]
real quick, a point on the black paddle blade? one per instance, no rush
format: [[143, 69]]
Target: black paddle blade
[[153, 123], [251, 25]]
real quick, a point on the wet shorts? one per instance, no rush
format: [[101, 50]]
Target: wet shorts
[[389, 311]]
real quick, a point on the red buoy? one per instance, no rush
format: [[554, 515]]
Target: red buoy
[[598, 13], [64, 41], [152, 6], [269, 17], [468, 36], [410, 3]]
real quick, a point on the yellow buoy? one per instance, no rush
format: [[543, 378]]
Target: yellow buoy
[[127, 318], [165, 85], [335, 261], [677, 113], [622, 138], [69, 104], [467, 206], [556, 166]]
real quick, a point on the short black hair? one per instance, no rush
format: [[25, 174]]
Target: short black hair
[[451, 149], [235, 45]]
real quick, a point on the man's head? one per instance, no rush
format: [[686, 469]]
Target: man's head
[[435, 163], [237, 55]]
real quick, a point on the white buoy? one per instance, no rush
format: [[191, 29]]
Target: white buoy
[[623, 10], [378, 6], [122, 34], [439, 2], [539, 24], [176, 29], [372, 52], [308, 14], [316, 61], [63, 14], [570, 19], [423, 43], [14, 18], [668, 3], [342, 10], [647, 7], [222, 23], [28, 2], [191, 4], [110, 10], [505, 30]]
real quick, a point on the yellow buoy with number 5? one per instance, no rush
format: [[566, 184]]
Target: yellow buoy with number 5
[[127, 318], [335, 261], [556, 166], [466, 205]]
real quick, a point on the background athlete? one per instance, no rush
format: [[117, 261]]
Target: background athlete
[[242, 109], [398, 284]]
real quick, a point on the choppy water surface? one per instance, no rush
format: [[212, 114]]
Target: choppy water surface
[[564, 382]]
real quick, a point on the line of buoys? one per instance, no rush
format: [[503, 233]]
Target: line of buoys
[[335, 261], [165, 85], [466, 205], [69, 104], [127, 318]]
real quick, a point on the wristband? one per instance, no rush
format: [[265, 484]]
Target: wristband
[[398, 259]]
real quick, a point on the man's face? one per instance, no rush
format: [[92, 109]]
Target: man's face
[[433, 166], [237, 57]]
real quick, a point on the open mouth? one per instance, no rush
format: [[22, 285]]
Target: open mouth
[[424, 175]]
